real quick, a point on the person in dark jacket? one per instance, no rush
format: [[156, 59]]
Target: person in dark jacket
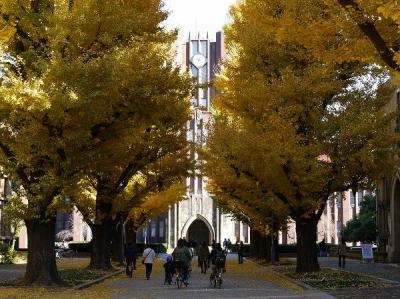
[[218, 258], [169, 270], [203, 253], [240, 250], [130, 258], [341, 251]]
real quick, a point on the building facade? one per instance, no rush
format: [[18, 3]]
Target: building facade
[[340, 208], [197, 217], [388, 206]]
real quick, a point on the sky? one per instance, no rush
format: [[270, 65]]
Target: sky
[[198, 15]]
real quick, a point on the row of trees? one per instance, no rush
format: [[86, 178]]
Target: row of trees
[[302, 110], [92, 115]]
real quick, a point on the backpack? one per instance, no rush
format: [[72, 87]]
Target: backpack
[[220, 259]]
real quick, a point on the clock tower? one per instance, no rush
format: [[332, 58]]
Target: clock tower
[[197, 218]]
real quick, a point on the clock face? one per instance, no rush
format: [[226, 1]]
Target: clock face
[[198, 60]]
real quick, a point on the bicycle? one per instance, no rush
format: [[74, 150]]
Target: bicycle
[[216, 277], [68, 253], [178, 265]]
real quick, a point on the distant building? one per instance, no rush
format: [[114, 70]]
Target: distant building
[[340, 208], [197, 218], [388, 193]]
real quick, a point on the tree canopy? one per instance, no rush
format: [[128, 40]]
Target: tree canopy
[[90, 95], [297, 125]]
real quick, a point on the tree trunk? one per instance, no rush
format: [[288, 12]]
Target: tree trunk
[[101, 245], [276, 243], [41, 268], [118, 244], [307, 260], [268, 246], [254, 243], [103, 227], [262, 246]]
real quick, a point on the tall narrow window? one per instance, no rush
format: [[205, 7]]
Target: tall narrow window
[[192, 184], [203, 78], [352, 200], [195, 71], [200, 133], [245, 233], [203, 47], [360, 198], [153, 229], [199, 185], [191, 131], [339, 199], [195, 47], [161, 228]]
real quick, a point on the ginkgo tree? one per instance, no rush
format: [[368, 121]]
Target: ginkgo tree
[[89, 93], [161, 175], [363, 30], [235, 193], [308, 127]]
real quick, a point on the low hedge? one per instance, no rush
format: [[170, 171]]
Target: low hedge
[[80, 246], [87, 247], [157, 247], [246, 249]]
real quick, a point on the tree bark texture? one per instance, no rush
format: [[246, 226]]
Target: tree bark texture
[[276, 243], [118, 245], [41, 268], [254, 239], [307, 258], [101, 245], [264, 251]]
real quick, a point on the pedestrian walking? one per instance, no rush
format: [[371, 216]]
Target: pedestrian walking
[[342, 250], [203, 252], [225, 244], [149, 256], [229, 246], [169, 270], [130, 259], [240, 251]]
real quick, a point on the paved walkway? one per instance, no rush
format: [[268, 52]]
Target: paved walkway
[[241, 281]]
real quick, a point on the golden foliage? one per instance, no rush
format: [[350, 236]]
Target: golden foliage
[[287, 99]]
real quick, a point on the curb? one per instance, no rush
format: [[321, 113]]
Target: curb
[[98, 280], [299, 283]]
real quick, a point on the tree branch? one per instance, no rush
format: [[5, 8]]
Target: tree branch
[[370, 30], [20, 171]]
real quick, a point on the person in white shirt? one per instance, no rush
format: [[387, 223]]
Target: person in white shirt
[[149, 256]]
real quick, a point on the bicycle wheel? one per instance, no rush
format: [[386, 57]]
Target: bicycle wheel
[[219, 283], [179, 282]]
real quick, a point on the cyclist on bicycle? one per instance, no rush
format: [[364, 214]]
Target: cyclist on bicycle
[[218, 258], [182, 254]]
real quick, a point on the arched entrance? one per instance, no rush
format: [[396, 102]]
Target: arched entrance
[[198, 231]]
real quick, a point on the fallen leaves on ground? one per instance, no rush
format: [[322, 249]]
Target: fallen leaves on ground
[[331, 279]]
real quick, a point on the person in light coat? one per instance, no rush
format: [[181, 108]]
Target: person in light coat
[[149, 256]]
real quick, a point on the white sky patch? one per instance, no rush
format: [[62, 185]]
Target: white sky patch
[[198, 16]]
